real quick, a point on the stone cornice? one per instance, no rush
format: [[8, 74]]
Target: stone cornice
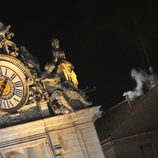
[[52, 123], [111, 141]]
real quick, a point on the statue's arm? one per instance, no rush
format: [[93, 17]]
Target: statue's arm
[[50, 79]]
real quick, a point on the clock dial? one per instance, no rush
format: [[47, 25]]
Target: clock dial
[[13, 87]]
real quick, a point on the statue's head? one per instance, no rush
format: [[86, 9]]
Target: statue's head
[[55, 43]]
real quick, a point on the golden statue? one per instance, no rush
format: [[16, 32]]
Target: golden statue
[[57, 85], [64, 67]]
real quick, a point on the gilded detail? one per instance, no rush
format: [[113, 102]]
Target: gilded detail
[[22, 82]]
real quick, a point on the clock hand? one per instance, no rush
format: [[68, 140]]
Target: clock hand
[[3, 86]]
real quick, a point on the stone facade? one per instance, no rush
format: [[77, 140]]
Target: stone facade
[[40, 111], [68, 136]]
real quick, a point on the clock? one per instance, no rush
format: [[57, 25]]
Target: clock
[[14, 88]]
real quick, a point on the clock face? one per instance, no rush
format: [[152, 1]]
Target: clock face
[[13, 89]]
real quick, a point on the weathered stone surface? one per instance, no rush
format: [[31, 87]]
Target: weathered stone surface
[[27, 113], [69, 136]]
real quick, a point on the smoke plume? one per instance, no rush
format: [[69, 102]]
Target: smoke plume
[[141, 79]]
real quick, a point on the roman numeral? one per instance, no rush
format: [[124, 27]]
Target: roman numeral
[[0, 71], [6, 70], [18, 84], [6, 104], [13, 76], [11, 103], [18, 92], [16, 100], [2, 103]]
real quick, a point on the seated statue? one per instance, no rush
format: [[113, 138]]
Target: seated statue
[[51, 83], [60, 81], [69, 81], [64, 68]]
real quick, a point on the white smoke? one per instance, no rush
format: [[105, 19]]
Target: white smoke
[[141, 78]]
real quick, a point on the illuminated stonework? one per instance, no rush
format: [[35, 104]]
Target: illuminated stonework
[[69, 136], [43, 114]]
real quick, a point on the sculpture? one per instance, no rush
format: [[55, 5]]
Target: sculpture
[[68, 77], [51, 83], [6, 45], [30, 61], [64, 68], [57, 85]]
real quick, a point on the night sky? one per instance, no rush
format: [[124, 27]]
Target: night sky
[[103, 41]]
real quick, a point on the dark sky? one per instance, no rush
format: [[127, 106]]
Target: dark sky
[[104, 41]]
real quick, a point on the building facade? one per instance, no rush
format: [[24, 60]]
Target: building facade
[[43, 114], [130, 129], [64, 136]]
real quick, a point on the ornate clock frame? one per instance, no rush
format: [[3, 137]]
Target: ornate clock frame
[[24, 75]]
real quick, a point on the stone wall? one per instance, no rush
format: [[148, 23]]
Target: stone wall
[[68, 136]]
